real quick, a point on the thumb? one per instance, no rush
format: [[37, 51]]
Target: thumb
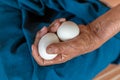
[[57, 48]]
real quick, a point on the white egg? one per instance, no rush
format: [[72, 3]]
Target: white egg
[[46, 40], [68, 30]]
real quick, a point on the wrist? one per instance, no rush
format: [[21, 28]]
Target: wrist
[[107, 25]]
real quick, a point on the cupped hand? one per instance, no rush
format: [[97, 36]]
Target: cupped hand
[[91, 37], [85, 42]]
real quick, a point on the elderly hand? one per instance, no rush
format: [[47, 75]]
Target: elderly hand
[[85, 42], [91, 37]]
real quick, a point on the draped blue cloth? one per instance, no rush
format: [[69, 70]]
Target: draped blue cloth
[[21, 19]]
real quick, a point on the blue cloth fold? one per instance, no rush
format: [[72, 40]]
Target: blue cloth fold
[[21, 19]]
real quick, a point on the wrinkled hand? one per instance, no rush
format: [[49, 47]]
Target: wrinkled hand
[[86, 41], [91, 37]]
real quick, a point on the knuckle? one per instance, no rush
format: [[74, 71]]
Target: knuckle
[[60, 49], [96, 29]]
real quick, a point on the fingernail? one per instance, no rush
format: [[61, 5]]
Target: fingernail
[[62, 19], [49, 50], [43, 28]]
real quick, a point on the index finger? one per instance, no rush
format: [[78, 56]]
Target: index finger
[[55, 24]]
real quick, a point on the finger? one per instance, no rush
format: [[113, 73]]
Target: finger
[[59, 59], [39, 60], [57, 21], [55, 25], [36, 56], [40, 33], [63, 47]]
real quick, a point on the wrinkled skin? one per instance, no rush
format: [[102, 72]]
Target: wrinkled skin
[[91, 37]]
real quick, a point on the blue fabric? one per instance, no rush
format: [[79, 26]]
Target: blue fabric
[[21, 19]]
